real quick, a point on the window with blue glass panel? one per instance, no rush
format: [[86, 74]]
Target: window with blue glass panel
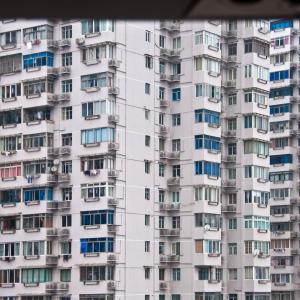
[[38, 194], [207, 116], [280, 75], [207, 167], [281, 24], [207, 142], [282, 108], [97, 135], [97, 217], [281, 159], [176, 94], [281, 92], [97, 245], [38, 60]]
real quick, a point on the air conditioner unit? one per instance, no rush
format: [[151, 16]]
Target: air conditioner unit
[[80, 41]]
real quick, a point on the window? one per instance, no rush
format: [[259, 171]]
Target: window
[[66, 248], [37, 275], [175, 297], [232, 248], [232, 99], [207, 116], [96, 273], [10, 143], [176, 145], [147, 114], [162, 41], [161, 170], [280, 109], [259, 197], [232, 49], [66, 139], [9, 276], [10, 91], [66, 59], [176, 119], [96, 80], [256, 222], [147, 193], [147, 272], [94, 53], [147, 36], [256, 172], [232, 198], [232, 274], [231, 149], [161, 119], [279, 75], [95, 26], [148, 61], [256, 147], [161, 274], [147, 167], [161, 93], [207, 142], [66, 86], [176, 197], [231, 124], [65, 275], [281, 92], [66, 113], [281, 159], [147, 140], [96, 245], [38, 60], [97, 217], [97, 135], [281, 24], [177, 42], [66, 32], [66, 220], [37, 194], [208, 39], [161, 196], [208, 168], [38, 33], [207, 193], [147, 88], [10, 64], [67, 167], [9, 249], [147, 246], [33, 248], [67, 194], [147, 220], [213, 220], [232, 223], [176, 274], [208, 90], [176, 171], [10, 38], [176, 94]]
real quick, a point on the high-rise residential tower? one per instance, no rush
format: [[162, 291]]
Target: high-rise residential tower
[[284, 162], [134, 160]]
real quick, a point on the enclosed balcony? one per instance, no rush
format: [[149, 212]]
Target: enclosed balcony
[[34, 116], [10, 118]]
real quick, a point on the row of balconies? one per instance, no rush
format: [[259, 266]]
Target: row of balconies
[[54, 288]]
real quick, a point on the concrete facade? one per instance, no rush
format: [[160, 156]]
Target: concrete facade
[[135, 160]]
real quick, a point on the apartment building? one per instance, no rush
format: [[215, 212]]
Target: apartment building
[[284, 153], [135, 160]]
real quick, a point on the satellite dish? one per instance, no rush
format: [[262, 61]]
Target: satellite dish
[[56, 162], [29, 45], [256, 252], [206, 227], [54, 169]]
